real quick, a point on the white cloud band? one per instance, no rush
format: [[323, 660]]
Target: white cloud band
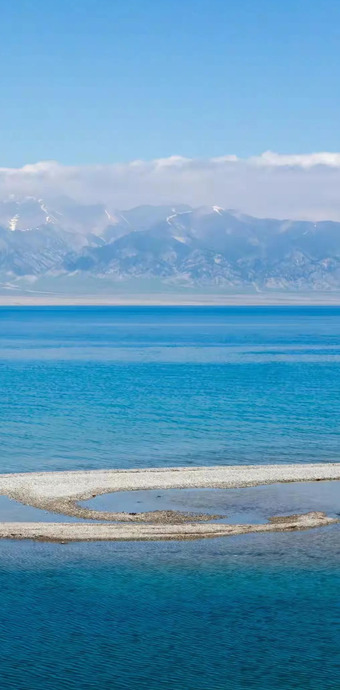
[[281, 186]]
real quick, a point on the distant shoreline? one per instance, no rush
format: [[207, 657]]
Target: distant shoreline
[[159, 300]]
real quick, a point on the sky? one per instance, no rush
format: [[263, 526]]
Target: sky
[[105, 83]]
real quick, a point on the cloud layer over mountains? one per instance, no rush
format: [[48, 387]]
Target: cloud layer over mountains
[[270, 185]]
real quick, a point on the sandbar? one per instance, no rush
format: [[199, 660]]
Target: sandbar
[[60, 492], [64, 532]]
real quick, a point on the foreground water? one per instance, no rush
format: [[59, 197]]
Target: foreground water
[[261, 611], [134, 387]]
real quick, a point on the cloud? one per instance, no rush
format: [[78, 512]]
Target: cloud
[[310, 160], [283, 186]]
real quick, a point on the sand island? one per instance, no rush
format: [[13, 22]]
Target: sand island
[[61, 492]]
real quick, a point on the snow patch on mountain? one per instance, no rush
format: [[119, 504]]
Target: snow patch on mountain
[[173, 244]]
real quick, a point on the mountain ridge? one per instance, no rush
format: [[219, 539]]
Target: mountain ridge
[[174, 245]]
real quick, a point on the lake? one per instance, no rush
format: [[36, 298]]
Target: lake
[[125, 387]]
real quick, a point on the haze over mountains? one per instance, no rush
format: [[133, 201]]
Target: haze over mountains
[[44, 244]]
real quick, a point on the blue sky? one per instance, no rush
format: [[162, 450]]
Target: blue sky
[[86, 82]]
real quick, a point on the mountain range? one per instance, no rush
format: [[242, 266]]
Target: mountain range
[[175, 246]]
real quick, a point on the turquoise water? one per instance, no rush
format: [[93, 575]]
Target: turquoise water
[[233, 614], [138, 387]]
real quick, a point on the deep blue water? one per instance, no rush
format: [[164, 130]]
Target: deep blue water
[[147, 386], [261, 611], [128, 387]]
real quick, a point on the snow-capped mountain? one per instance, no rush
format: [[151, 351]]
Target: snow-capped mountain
[[175, 245]]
